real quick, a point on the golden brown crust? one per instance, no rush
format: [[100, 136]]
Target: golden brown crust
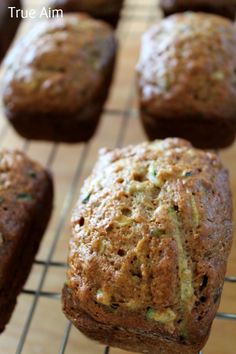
[[60, 68], [152, 232], [192, 56], [186, 73]]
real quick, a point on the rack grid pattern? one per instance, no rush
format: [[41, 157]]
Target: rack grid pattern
[[144, 12]]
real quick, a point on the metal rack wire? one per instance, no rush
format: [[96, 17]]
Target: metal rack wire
[[45, 265]]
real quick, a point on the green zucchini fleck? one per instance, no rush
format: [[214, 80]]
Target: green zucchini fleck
[[188, 174], [152, 175], [86, 199], [183, 333], [185, 274], [156, 232], [195, 213], [1, 200], [24, 197], [99, 293], [32, 173], [163, 317]]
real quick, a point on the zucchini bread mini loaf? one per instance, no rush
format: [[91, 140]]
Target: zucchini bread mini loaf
[[105, 10], [152, 231], [187, 79], [57, 87], [25, 207], [8, 25], [225, 8]]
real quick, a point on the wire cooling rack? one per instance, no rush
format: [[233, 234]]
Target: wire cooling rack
[[136, 14]]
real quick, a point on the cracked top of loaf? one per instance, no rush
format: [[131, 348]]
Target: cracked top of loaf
[[151, 234], [187, 66], [58, 66]]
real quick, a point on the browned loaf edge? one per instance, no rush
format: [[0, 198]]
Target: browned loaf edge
[[185, 79], [204, 133], [134, 340], [152, 231], [70, 127], [222, 8], [26, 204], [60, 97]]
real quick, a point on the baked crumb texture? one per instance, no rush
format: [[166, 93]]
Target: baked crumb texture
[[26, 194], [57, 87], [151, 234], [186, 79]]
